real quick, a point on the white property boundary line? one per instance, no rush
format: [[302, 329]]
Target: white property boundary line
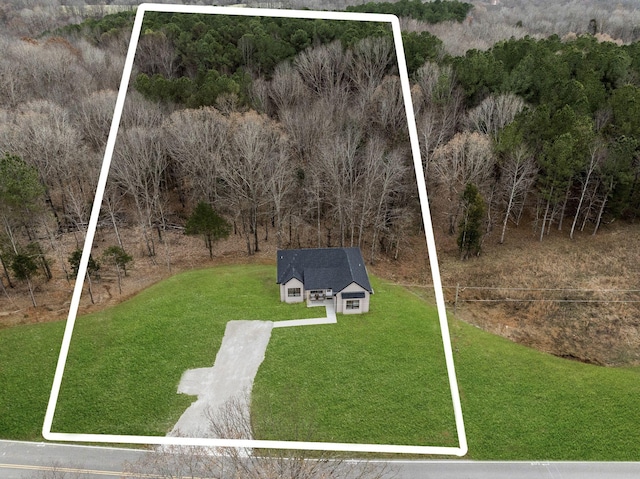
[[426, 216]]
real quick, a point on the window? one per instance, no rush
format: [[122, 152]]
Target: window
[[293, 292], [353, 304]]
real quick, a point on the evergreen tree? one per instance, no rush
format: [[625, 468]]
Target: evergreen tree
[[118, 257], [92, 267], [205, 221], [24, 268], [470, 236], [20, 194]]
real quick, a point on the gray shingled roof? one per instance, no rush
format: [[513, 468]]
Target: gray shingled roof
[[323, 268]]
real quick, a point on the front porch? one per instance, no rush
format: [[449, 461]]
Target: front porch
[[318, 297]]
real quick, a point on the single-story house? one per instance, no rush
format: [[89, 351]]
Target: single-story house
[[318, 274]]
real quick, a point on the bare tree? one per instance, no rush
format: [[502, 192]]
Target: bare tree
[[306, 128], [254, 141], [232, 421], [58, 470], [138, 111], [112, 201], [197, 140], [138, 166], [518, 173], [438, 105], [43, 134], [286, 88], [324, 68], [596, 156], [467, 158], [105, 65], [388, 110], [51, 70], [12, 90], [385, 175], [338, 167], [93, 115], [371, 58], [280, 182], [156, 54], [494, 113]]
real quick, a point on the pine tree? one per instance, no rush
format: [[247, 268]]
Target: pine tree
[[470, 236], [205, 221]]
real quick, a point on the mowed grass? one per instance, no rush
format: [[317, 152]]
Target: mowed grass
[[358, 381], [522, 404], [375, 378], [28, 356], [125, 363]]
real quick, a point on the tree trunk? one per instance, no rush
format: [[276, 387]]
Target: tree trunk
[[33, 298], [604, 202], [544, 218], [115, 224], [63, 263], [4, 290], [318, 208], [9, 230], [582, 194], [209, 243], [506, 217], [564, 206], [254, 225], [119, 278], [6, 274], [90, 288]]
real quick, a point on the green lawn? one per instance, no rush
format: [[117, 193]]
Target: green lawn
[[371, 378], [522, 404], [125, 363], [28, 356]]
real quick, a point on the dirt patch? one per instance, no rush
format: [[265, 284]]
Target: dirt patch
[[588, 316]]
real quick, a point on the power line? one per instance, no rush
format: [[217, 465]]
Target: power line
[[506, 288], [513, 300], [459, 290]]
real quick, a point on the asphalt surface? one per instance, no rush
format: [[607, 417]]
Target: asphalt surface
[[26, 460]]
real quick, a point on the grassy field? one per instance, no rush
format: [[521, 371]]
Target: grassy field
[[348, 380]]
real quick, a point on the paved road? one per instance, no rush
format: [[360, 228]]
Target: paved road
[[20, 460], [517, 470]]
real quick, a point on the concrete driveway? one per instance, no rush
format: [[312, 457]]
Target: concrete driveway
[[231, 377]]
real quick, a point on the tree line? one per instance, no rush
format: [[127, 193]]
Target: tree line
[[313, 150]]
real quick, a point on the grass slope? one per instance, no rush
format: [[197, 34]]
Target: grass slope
[[518, 403], [522, 404], [125, 363], [374, 378]]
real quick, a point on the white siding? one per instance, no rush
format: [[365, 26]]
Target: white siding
[[341, 303], [292, 283]]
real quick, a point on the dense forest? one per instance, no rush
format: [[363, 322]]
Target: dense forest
[[296, 130]]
